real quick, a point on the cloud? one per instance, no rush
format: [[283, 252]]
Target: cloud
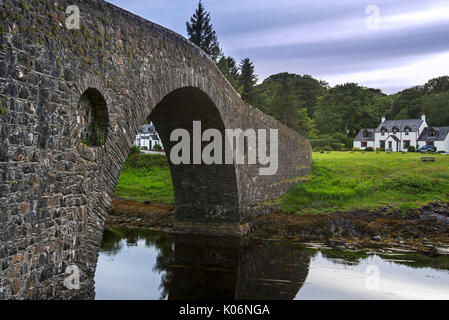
[[326, 39]]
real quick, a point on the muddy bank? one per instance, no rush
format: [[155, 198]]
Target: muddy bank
[[426, 229]]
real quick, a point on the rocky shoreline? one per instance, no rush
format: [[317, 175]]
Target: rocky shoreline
[[425, 229]]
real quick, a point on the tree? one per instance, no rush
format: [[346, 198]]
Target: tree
[[348, 107], [201, 33], [247, 80], [228, 67]]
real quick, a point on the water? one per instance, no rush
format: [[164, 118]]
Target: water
[[137, 264]]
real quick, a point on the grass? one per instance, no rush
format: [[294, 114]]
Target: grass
[[343, 181], [145, 178], [339, 181]]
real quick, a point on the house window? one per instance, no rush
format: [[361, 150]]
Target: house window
[[432, 132], [364, 144], [390, 144], [430, 143], [395, 130], [366, 134], [383, 130], [407, 131], [406, 144], [382, 144]]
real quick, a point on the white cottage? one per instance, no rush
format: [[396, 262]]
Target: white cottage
[[437, 136], [147, 137], [398, 135]]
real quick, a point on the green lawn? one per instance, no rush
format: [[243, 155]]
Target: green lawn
[[338, 181], [145, 177], [345, 181]]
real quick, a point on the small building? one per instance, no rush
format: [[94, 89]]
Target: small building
[[437, 136], [398, 135], [365, 138], [147, 137]]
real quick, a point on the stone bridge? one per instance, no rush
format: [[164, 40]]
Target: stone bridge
[[71, 103]]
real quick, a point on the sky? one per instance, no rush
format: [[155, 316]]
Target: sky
[[385, 44]]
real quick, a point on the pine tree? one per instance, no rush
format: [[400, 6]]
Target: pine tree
[[228, 67], [247, 80], [201, 33]]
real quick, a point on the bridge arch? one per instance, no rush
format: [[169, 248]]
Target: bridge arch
[[203, 193]]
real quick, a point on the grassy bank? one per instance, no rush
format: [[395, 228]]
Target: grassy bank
[[339, 181], [145, 177], [348, 181]]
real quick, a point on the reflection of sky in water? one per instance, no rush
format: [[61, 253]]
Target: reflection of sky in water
[[328, 280], [129, 274]]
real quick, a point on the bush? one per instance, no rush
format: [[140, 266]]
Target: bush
[[157, 147], [134, 150], [355, 149], [369, 149], [320, 143], [411, 149], [338, 146], [147, 161]]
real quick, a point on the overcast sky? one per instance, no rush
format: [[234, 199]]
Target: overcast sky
[[336, 41]]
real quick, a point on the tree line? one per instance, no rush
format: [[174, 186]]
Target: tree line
[[311, 106]]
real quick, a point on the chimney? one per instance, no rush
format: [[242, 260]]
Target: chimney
[[383, 118], [423, 117]]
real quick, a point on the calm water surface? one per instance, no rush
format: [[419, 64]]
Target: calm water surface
[[138, 264]]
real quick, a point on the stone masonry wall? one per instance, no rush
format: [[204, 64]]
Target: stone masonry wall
[[54, 190]]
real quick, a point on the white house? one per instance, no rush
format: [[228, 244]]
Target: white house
[[147, 137], [398, 135], [437, 136]]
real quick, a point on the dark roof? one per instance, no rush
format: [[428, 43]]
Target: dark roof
[[441, 134], [394, 138], [154, 137], [361, 137], [147, 128], [413, 124]]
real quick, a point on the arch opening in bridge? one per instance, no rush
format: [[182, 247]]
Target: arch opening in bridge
[[203, 193], [94, 118]]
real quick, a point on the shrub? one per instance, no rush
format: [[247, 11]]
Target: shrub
[[411, 149], [134, 150], [338, 146], [157, 147], [147, 161], [322, 142], [369, 149], [355, 149]]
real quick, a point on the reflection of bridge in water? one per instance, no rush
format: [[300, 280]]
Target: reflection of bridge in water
[[212, 268]]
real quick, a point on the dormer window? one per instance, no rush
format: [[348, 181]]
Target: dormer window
[[432, 132], [407, 131], [383, 130], [366, 134], [395, 130]]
